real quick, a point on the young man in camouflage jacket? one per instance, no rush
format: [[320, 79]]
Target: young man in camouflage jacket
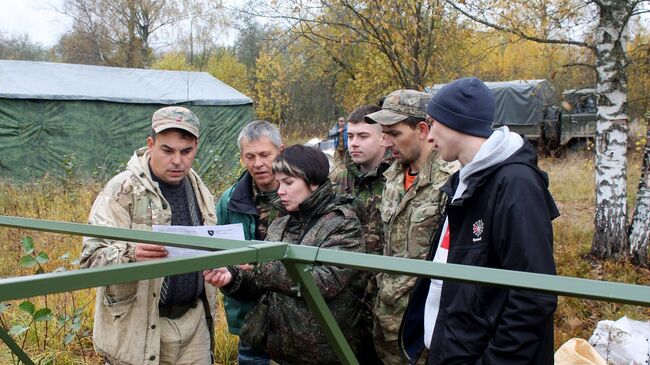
[[411, 207], [163, 320], [363, 177]]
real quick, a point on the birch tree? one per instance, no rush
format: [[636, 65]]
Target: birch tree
[[599, 26], [640, 229]]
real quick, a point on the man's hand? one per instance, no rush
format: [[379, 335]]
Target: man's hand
[[247, 267], [218, 277], [147, 251]]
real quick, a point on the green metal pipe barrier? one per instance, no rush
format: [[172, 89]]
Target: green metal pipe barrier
[[34, 285], [301, 273], [297, 259], [561, 285], [13, 346], [77, 229]]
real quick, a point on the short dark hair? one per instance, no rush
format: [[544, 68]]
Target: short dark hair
[[357, 114], [306, 163], [413, 122], [186, 134]]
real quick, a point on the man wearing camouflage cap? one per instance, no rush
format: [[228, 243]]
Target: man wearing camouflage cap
[[411, 207], [163, 320]]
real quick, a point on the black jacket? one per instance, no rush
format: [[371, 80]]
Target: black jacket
[[502, 220]]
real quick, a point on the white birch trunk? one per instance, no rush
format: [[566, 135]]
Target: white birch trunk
[[610, 238], [640, 230]]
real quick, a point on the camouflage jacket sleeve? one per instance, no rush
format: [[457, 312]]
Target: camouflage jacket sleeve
[[333, 231], [111, 209], [340, 183]]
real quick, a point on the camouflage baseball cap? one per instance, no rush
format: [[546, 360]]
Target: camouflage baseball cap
[[400, 105], [175, 117]]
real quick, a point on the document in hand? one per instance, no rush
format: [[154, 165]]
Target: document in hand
[[226, 231]]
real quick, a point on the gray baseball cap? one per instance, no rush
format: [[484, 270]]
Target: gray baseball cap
[[400, 105]]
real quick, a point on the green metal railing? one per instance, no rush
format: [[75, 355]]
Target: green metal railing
[[297, 259]]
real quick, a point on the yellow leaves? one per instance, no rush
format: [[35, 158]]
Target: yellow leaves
[[270, 91], [225, 67], [173, 61], [373, 79]]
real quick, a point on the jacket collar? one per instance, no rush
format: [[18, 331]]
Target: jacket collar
[[241, 200], [317, 203], [355, 171], [525, 155], [425, 175], [139, 166]]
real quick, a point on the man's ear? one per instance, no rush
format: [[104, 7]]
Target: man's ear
[[282, 147], [150, 143], [423, 130]]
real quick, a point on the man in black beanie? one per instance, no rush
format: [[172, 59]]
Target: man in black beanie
[[498, 215]]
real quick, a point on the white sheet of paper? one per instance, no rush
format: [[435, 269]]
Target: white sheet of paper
[[226, 231]]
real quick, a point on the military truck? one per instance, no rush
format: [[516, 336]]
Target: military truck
[[530, 107], [578, 115]]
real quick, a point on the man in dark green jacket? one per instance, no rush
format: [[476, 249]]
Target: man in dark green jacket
[[248, 202]]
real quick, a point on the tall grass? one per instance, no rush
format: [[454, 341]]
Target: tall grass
[[571, 183], [46, 341]]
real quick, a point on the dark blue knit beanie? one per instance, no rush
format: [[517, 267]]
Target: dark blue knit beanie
[[465, 105]]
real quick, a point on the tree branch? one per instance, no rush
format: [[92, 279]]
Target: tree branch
[[518, 32]]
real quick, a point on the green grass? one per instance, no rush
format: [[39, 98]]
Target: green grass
[[571, 183]]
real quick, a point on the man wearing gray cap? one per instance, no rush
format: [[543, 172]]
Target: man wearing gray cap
[[411, 207], [163, 320]]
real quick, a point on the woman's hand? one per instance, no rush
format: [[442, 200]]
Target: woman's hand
[[218, 277]]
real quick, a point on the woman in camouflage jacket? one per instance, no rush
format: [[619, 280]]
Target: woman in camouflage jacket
[[281, 323]]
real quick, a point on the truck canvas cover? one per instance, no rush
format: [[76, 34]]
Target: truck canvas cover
[[518, 102]]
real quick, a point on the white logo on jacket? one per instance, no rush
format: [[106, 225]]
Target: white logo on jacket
[[477, 230]]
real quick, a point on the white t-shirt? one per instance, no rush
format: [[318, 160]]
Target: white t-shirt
[[435, 288]]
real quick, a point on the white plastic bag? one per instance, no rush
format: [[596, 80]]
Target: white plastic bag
[[622, 342]]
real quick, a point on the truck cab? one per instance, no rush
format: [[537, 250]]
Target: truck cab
[[578, 115]]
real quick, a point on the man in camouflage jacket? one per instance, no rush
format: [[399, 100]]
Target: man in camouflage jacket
[[363, 178], [130, 326], [411, 207]]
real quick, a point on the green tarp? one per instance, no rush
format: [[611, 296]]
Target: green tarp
[[518, 102], [39, 135]]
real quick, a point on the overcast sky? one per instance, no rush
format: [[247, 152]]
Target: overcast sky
[[34, 17]]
